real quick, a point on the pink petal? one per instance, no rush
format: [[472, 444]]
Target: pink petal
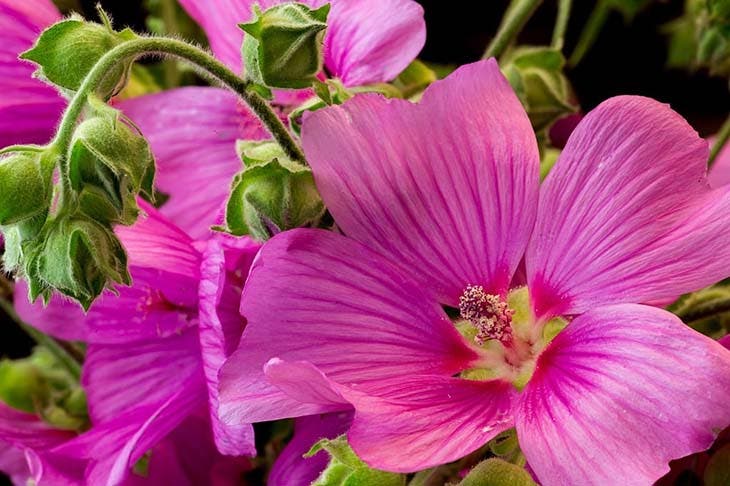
[[192, 132], [626, 214], [115, 445], [220, 330], [447, 187], [13, 464], [291, 468], [119, 377], [409, 423], [619, 393], [372, 41], [24, 430], [719, 174], [316, 296], [29, 110], [367, 41]]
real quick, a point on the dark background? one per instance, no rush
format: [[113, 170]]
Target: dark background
[[626, 59]]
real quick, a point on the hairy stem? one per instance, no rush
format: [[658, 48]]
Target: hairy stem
[[561, 24], [706, 309], [515, 18], [590, 32], [59, 352], [722, 137], [172, 47]]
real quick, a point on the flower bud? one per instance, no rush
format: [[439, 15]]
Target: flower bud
[[78, 257], [66, 51], [271, 194], [283, 45], [109, 165], [497, 472], [22, 386], [25, 186], [536, 75]]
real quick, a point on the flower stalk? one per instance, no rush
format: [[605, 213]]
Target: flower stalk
[[561, 24], [517, 15]]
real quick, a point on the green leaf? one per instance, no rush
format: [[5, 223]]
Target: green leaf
[[271, 196], [66, 51], [282, 47], [717, 471], [496, 472]]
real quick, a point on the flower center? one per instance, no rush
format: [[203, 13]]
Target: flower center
[[488, 313]]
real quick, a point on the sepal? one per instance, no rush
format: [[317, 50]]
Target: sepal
[[496, 472], [283, 45], [536, 75], [272, 194], [26, 184], [346, 469]]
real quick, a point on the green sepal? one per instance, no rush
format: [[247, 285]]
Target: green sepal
[[26, 184], [78, 257], [22, 386], [271, 194], [66, 51], [110, 163], [496, 472], [346, 469], [414, 79], [536, 75], [283, 45]]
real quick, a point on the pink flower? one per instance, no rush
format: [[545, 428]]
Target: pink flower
[[29, 109], [193, 131], [154, 352], [440, 203], [719, 174]]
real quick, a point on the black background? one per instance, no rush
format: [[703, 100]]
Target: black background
[[626, 59]]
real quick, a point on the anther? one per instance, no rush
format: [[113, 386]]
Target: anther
[[488, 313]]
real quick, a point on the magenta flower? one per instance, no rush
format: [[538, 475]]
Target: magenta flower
[[29, 109], [154, 352], [719, 174], [440, 203], [193, 131]]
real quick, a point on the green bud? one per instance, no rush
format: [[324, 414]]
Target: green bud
[[110, 163], [78, 257], [496, 472], [25, 185], [22, 386], [271, 194], [66, 51], [346, 469], [283, 45], [713, 49], [536, 75], [505, 444]]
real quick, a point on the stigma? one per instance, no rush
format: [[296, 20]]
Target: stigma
[[490, 314]]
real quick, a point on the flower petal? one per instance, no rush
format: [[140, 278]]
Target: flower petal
[[119, 377], [447, 187], [626, 214], [193, 133], [314, 295], [14, 465], [220, 330], [619, 393], [719, 174], [29, 109], [410, 423], [367, 41], [291, 468], [372, 41], [25, 430]]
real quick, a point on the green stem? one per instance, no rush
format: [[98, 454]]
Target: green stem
[[590, 32], [196, 56], [58, 351], [561, 24], [517, 15], [169, 19], [722, 137], [706, 309]]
